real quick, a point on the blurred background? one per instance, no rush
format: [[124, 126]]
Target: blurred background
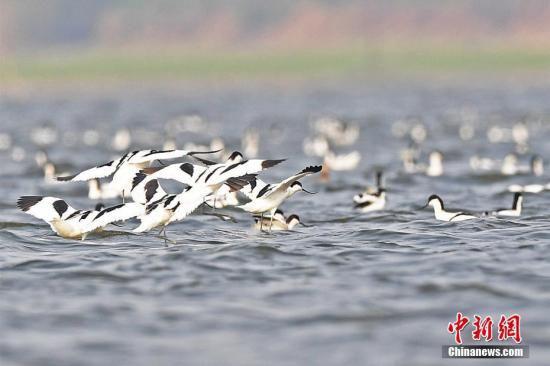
[[62, 40]]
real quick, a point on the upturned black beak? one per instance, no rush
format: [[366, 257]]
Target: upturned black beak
[[304, 225], [308, 192], [423, 207]]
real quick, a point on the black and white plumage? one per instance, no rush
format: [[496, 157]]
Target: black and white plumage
[[268, 197], [224, 196], [371, 193], [146, 190], [123, 168], [279, 222], [375, 202], [212, 175], [515, 211], [175, 207], [68, 222], [443, 215]]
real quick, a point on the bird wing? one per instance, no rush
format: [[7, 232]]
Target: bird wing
[[145, 189], [458, 214], [146, 156], [185, 173], [364, 197], [253, 189], [187, 202], [44, 208], [288, 181], [220, 173], [120, 212], [100, 171]]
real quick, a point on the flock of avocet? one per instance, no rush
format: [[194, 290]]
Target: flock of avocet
[[207, 182], [218, 185]]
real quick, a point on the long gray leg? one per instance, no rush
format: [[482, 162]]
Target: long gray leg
[[261, 221], [166, 239], [271, 221]]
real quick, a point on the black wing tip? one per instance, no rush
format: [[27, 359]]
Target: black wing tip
[[312, 169], [270, 163], [204, 161], [24, 203], [234, 155], [66, 178], [138, 178], [193, 153], [238, 183]]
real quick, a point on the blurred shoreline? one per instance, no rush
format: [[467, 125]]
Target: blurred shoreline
[[110, 68]]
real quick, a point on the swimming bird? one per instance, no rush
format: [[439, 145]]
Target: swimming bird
[[339, 132], [435, 166], [268, 197], [441, 214], [316, 146], [371, 193], [511, 166], [279, 223], [250, 142], [515, 211], [537, 165], [67, 222], [376, 202], [124, 168]]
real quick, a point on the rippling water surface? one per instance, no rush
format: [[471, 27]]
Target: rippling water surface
[[349, 289]]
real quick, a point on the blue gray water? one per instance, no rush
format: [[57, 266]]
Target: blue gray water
[[350, 289]]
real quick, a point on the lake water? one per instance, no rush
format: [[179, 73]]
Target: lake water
[[349, 289]]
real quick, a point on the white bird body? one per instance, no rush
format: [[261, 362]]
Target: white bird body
[[515, 211], [371, 193], [70, 223], [377, 204], [176, 207], [267, 198], [435, 167], [268, 203], [442, 215], [157, 214], [222, 198], [509, 165], [279, 223]]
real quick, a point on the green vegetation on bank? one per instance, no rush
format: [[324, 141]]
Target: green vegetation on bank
[[120, 65]]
